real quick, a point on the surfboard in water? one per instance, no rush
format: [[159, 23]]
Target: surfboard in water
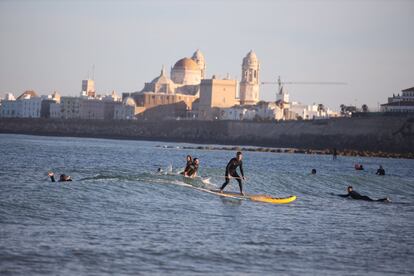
[[259, 198]]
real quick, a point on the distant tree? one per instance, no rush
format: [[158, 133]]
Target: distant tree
[[364, 108]]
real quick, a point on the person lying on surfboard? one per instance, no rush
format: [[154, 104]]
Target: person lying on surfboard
[[231, 172], [62, 178], [192, 169], [355, 195]]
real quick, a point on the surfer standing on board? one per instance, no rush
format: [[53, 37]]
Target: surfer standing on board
[[231, 167]]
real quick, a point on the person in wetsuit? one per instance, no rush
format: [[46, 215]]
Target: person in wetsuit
[[62, 178], [192, 169], [188, 164], [380, 171], [231, 168], [334, 154], [356, 195]]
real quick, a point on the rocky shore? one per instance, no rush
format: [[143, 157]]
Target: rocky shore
[[380, 136], [302, 151]]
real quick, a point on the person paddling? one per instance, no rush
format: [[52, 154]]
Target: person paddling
[[62, 178], [380, 170], [355, 195], [231, 172]]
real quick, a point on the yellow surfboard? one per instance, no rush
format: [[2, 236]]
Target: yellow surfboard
[[258, 198]]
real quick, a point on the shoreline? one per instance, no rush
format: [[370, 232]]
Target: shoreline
[[389, 137]]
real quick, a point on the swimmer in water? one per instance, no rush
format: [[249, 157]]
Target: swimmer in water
[[62, 178], [355, 195]]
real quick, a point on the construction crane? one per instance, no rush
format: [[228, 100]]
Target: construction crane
[[281, 83]]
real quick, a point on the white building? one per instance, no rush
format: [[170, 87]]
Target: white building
[[113, 97], [403, 103], [261, 111], [237, 113], [126, 110], [310, 112], [56, 111], [8, 108], [9, 97], [27, 105], [69, 107]]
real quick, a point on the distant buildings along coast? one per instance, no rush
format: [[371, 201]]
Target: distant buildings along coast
[[186, 94]]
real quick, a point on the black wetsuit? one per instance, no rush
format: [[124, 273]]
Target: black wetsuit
[[231, 171], [192, 169], [52, 177], [381, 172], [187, 166], [356, 195]]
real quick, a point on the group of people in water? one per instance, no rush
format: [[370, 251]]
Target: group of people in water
[[192, 166], [360, 167]]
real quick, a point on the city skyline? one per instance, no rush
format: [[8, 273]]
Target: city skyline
[[52, 46]]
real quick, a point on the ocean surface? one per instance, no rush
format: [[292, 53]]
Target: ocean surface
[[120, 216]]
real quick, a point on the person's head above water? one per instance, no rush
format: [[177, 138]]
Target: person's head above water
[[313, 171], [64, 177], [349, 189], [239, 155], [196, 161], [189, 158]]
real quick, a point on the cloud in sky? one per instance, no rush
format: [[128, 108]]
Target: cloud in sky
[[51, 45]]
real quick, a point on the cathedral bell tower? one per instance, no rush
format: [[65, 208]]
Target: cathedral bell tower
[[249, 85]]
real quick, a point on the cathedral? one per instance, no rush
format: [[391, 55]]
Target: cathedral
[[183, 85]]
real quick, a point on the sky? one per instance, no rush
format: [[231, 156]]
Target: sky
[[53, 45]]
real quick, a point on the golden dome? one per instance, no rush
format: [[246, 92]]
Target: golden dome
[[186, 64], [28, 94]]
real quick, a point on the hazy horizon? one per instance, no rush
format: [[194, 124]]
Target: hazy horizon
[[53, 45]]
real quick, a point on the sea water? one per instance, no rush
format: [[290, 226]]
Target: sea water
[[120, 216]]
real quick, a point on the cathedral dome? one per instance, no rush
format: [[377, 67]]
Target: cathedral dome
[[28, 94], [186, 64], [129, 101]]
